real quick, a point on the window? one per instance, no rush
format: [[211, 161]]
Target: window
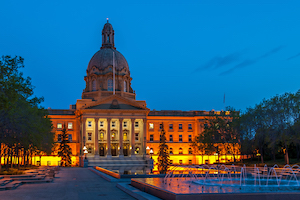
[[101, 135], [59, 138], [151, 138], [151, 126], [180, 151], [89, 136], [190, 162], [136, 136], [89, 124], [94, 85], [108, 39], [70, 137], [171, 162], [59, 125], [101, 124], [160, 126], [180, 126], [136, 124], [125, 86], [171, 151], [171, 126], [137, 150], [125, 124], [190, 151], [180, 162], [70, 125], [171, 138], [190, 126], [89, 150], [190, 138], [180, 138], [113, 135], [109, 85], [124, 136], [113, 124]]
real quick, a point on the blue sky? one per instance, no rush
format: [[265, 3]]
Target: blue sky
[[182, 55]]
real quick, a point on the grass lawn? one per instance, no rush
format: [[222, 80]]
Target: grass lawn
[[15, 171]]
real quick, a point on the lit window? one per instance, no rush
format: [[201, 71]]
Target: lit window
[[125, 124], [136, 136], [89, 123], [59, 125], [190, 138], [180, 127], [171, 138], [113, 124], [70, 137], [101, 135], [137, 150], [180, 138], [136, 124], [151, 126], [89, 136], [124, 136], [59, 138], [102, 124], [70, 125], [171, 126], [180, 161], [190, 126], [151, 138], [180, 151], [190, 151], [94, 85], [110, 85], [190, 162], [113, 135], [171, 150]]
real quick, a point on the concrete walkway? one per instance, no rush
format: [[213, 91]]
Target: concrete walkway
[[70, 183]]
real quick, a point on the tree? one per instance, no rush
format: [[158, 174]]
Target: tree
[[64, 150], [163, 153]]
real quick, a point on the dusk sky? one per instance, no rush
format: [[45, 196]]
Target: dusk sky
[[182, 55]]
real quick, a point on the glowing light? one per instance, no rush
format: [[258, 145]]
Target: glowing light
[[84, 148], [148, 148]]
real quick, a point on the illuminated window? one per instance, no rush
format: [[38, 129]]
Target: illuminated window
[[151, 138], [180, 138], [102, 124], [101, 135], [151, 126], [70, 137], [190, 138], [190, 126], [70, 125], [180, 151], [171, 126], [94, 85], [180, 126], [125, 86], [113, 135], [59, 138], [171, 151], [136, 124], [190, 162], [171, 138], [113, 124], [59, 125], [180, 162], [190, 151], [89, 136], [90, 124], [109, 85], [136, 136], [137, 150], [125, 124], [124, 136]]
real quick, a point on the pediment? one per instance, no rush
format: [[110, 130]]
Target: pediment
[[115, 102]]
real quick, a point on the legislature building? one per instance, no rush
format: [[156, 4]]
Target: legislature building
[[117, 129]]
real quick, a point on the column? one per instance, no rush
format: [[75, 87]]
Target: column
[[145, 136], [121, 138], [83, 133], [96, 142], [108, 138], [132, 138]]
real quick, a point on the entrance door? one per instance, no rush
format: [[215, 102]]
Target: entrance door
[[101, 151], [125, 151], [113, 151]]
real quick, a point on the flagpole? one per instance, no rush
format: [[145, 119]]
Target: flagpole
[[114, 77], [224, 103]]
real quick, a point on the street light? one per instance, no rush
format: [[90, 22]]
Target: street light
[[85, 151], [151, 152]]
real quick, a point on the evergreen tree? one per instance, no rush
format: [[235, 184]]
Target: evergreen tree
[[163, 153], [64, 150]]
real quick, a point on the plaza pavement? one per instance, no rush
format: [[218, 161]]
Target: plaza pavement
[[70, 183]]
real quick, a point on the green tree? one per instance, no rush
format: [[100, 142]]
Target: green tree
[[64, 150], [163, 153]]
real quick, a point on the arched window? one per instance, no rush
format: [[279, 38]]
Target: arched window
[[125, 86], [108, 39], [94, 85], [109, 85], [180, 151], [125, 136]]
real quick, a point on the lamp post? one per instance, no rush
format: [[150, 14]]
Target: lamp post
[[147, 149], [85, 161], [151, 152]]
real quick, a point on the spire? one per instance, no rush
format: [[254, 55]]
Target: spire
[[108, 33]]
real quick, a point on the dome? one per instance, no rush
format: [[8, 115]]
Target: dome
[[104, 58]]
